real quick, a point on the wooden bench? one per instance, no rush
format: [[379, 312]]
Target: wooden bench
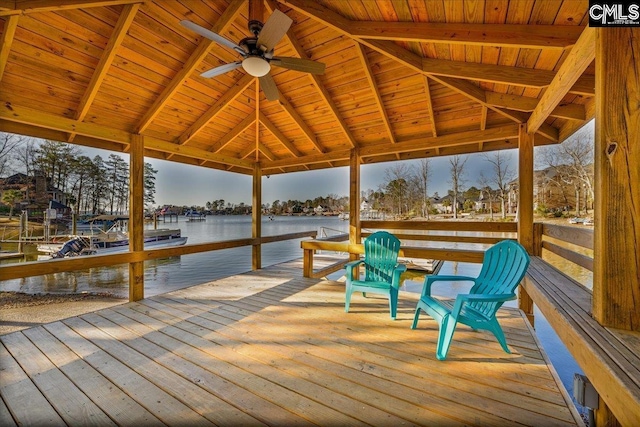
[[609, 357]]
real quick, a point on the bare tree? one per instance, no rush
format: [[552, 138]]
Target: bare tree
[[8, 142], [457, 179], [502, 176], [486, 189], [397, 179], [573, 163], [421, 177]]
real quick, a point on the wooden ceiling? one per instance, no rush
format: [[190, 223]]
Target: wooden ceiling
[[404, 78]]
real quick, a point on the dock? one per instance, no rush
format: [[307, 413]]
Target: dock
[[270, 347]]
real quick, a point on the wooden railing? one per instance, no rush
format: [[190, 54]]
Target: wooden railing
[[415, 230], [38, 268]]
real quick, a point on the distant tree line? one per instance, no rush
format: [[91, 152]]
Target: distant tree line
[[90, 185]]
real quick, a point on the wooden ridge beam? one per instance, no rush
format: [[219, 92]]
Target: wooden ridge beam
[[198, 55], [579, 58], [22, 7], [226, 98], [279, 135], [6, 40], [504, 35]]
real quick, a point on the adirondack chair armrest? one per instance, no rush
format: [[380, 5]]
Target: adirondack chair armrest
[[429, 280], [397, 271], [462, 299], [350, 266]]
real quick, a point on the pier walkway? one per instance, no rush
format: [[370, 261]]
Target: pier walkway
[[270, 347]]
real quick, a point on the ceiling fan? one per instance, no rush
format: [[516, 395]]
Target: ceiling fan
[[257, 52]]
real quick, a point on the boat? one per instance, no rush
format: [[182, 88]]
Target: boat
[[114, 239]]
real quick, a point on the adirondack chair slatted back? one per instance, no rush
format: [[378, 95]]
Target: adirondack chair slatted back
[[381, 256], [503, 268]]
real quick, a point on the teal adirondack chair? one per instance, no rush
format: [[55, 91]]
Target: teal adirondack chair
[[503, 268], [382, 271]]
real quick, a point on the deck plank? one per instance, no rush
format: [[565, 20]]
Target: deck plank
[[270, 347], [24, 400]]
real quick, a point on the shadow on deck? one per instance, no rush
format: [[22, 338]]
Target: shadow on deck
[[272, 348]]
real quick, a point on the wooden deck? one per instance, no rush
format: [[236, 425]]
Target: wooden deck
[[271, 348]]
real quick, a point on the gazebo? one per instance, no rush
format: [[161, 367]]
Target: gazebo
[[402, 80]]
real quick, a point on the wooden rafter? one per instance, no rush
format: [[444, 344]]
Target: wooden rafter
[[24, 115], [190, 65], [119, 31], [432, 115], [516, 36], [528, 104], [6, 40], [233, 133], [324, 93], [279, 135], [524, 77], [226, 98], [580, 57], [22, 7], [376, 93], [291, 111]]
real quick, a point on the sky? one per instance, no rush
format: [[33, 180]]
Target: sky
[[187, 185]]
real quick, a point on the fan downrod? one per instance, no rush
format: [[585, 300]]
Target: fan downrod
[[255, 27]]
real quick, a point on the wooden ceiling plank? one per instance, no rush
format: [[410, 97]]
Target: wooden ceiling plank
[[247, 151], [198, 55], [374, 88], [570, 112], [6, 40], [291, 111], [23, 7], [233, 133], [279, 135], [226, 98], [518, 36], [193, 152], [579, 58], [119, 32], [432, 116]]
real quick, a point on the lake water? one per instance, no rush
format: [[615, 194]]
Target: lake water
[[178, 272]]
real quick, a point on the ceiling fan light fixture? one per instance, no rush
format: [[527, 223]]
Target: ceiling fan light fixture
[[256, 66]]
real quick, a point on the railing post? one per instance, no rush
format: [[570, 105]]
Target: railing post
[[307, 262]]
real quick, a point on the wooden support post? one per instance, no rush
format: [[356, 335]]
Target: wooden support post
[[616, 270], [307, 262], [354, 200], [136, 216], [525, 208], [256, 217]]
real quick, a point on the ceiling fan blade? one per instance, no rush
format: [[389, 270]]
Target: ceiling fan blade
[[299, 64], [211, 36], [273, 30], [221, 69], [269, 87]]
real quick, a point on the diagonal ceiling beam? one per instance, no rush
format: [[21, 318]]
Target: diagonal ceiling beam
[[524, 77], [119, 32], [291, 111], [226, 98], [505, 35], [225, 20], [279, 135], [432, 115], [22, 7], [374, 87], [39, 119], [293, 41], [578, 59], [6, 40], [233, 133]]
